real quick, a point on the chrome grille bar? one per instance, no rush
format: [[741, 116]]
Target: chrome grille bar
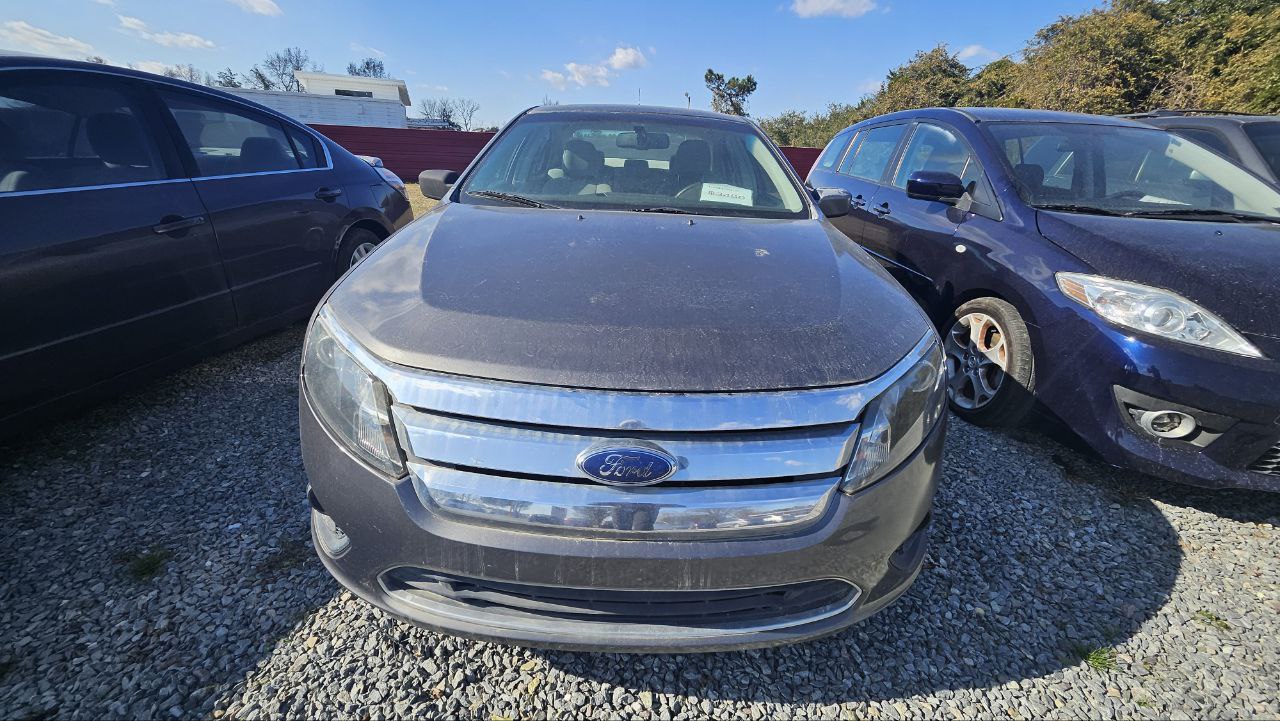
[[703, 456], [624, 512]]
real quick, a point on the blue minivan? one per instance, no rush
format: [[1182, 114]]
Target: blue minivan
[[148, 221], [1123, 276]]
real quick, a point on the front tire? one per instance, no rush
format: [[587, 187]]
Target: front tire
[[358, 243], [990, 366]]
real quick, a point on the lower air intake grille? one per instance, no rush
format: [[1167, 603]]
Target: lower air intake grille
[[773, 606]]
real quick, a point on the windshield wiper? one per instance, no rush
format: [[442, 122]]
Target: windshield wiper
[[510, 198], [662, 209], [1074, 208], [1195, 213]]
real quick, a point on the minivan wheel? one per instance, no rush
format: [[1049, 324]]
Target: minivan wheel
[[358, 243], [990, 367]]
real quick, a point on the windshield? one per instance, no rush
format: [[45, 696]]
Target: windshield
[[1266, 138], [1126, 170], [614, 161]]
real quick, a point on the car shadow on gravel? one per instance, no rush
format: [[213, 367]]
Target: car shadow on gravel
[[1029, 568]]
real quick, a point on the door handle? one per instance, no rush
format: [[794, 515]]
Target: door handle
[[858, 201], [174, 226], [881, 210], [328, 193]]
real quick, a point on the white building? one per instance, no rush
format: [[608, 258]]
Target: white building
[[338, 100]]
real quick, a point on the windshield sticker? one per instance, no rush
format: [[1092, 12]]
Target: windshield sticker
[[722, 193]]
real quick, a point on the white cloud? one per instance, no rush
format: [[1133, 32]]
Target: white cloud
[[557, 80], [365, 49], [108, 3], [585, 74], [625, 58], [24, 36], [977, 52], [167, 39], [841, 8], [150, 66], [258, 7], [869, 86]]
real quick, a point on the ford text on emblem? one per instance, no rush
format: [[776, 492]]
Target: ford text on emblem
[[627, 463]]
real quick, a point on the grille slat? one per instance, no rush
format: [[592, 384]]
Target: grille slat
[[1268, 463], [500, 448]]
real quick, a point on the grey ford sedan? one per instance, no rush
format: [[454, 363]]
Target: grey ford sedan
[[625, 388]]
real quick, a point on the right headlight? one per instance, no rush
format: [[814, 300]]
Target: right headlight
[[353, 404], [1155, 311], [899, 420]]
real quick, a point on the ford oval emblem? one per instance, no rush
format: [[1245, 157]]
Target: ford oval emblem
[[627, 463]]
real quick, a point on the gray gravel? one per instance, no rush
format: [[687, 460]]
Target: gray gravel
[[1039, 557]]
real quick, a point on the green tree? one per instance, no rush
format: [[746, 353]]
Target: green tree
[[993, 86], [929, 79], [729, 95], [1104, 61]]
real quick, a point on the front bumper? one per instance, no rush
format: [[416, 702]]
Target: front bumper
[[873, 541], [1090, 367]]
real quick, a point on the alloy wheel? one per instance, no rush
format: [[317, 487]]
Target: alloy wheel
[[977, 358], [360, 251]]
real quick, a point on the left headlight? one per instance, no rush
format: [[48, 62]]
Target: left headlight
[[899, 420], [1153, 310], [352, 403]]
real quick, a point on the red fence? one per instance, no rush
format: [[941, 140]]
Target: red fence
[[407, 152]]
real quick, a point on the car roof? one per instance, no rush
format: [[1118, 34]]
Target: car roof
[[994, 115], [622, 109], [11, 59], [1204, 121]]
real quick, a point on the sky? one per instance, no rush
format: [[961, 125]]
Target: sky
[[507, 56]]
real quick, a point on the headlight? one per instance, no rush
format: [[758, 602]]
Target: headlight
[[897, 422], [1155, 311], [352, 403], [392, 179]]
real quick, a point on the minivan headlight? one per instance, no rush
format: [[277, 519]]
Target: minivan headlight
[[899, 420], [352, 403], [1153, 310]]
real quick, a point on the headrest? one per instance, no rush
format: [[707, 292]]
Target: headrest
[[261, 153], [118, 139], [635, 164], [693, 156], [1029, 176], [581, 158]]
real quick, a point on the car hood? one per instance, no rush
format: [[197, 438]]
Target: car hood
[[1229, 268], [631, 301]]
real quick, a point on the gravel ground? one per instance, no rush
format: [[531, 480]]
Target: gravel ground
[[157, 564]]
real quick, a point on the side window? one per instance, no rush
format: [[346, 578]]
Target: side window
[[229, 140], [874, 152], [58, 131], [1207, 138], [938, 149], [305, 147], [834, 150]]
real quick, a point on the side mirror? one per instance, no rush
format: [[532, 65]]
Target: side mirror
[[834, 202], [935, 185], [435, 184]]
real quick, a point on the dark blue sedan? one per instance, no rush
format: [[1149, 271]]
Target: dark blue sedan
[[1123, 276], [147, 221]]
